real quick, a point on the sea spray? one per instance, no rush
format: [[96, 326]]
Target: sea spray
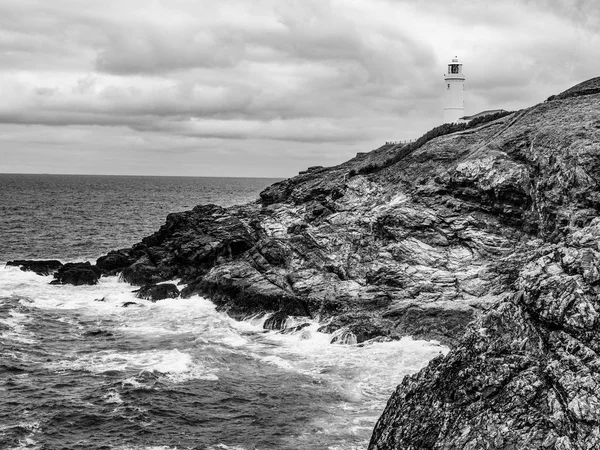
[[180, 373]]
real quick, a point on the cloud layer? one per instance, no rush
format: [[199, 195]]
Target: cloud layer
[[263, 88]]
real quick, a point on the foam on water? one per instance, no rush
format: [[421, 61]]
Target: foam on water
[[179, 341], [15, 329], [163, 361], [113, 397], [27, 442]]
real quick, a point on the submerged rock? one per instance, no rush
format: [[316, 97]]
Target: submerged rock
[[41, 267], [98, 333], [292, 330], [156, 292]]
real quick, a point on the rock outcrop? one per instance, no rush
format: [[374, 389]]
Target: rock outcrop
[[526, 374], [78, 274], [155, 292], [40, 267], [486, 239], [417, 247], [495, 225]]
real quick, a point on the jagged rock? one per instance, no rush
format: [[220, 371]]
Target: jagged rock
[[242, 290], [143, 272], [495, 224], [115, 261], [356, 328], [526, 374], [432, 321], [77, 274], [187, 246], [276, 322], [156, 292], [43, 267]]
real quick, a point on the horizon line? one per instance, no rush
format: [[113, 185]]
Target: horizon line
[[131, 175]]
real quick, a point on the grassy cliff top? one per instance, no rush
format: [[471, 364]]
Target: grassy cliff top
[[591, 86]]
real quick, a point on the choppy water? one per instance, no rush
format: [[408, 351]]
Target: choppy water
[[78, 370]]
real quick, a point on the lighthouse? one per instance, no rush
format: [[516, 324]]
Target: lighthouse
[[454, 96]]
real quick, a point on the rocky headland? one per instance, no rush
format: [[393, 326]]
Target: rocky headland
[[485, 237]]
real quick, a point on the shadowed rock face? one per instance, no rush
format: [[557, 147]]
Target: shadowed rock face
[[496, 225]]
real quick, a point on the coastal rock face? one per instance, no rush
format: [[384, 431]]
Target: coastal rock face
[[526, 374], [77, 274], [418, 247], [495, 225]]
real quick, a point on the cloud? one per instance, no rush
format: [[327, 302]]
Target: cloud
[[315, 78], [151, 50]]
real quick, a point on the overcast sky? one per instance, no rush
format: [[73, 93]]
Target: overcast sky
[[264, 87]]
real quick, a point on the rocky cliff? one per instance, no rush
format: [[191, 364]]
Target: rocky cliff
[[494, 225], [526, 374]]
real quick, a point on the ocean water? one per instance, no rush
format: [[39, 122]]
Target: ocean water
[[83, 216], [78, 370]]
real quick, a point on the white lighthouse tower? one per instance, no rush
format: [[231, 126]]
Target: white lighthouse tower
[[454, 96]]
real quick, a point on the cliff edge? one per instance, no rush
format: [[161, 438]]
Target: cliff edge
[[526, 374], [494, 224]]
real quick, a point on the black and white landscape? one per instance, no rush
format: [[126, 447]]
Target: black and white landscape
[[417, 285]]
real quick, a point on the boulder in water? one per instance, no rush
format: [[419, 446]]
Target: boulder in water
[[78, 274], [344, 337], [42, 267], [276, 322], [115, 261], [156, 292], [144, 272]]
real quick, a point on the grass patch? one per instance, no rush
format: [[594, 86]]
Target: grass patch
[[442, 130]]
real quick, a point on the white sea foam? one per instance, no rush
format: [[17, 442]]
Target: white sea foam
[[350, 367], [153, 447], [179, 340], [134, 383], [225, 447], [307, 351], [112, 397], [170, 362], [276, 361], [29, 426], [27, 442], [16, 328]]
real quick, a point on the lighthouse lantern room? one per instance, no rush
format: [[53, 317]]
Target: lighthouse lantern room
[[454, 97]]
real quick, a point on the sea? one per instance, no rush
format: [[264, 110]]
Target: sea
[[78, 370]]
